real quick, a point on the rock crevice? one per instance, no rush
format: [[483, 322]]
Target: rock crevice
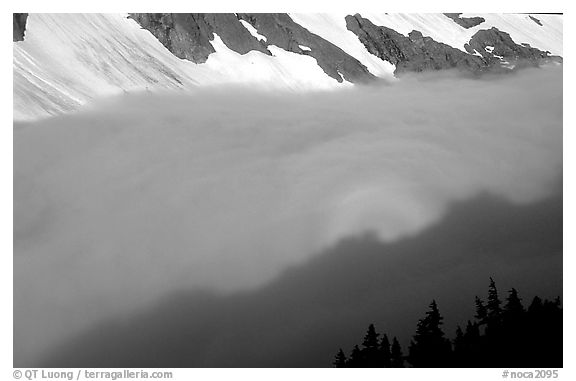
[[19, 26]]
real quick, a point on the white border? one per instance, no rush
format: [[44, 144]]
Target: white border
[[496, 6]]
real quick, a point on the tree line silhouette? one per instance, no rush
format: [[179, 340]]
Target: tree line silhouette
[[500, 335]]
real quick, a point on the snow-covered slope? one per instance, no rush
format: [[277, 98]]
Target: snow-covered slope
[[66, 60]]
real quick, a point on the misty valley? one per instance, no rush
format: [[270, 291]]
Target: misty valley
[[242, 227]]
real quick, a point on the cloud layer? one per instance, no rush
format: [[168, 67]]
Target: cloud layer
[[221, 189]]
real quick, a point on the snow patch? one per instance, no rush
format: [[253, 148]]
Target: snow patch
[[283, 70], [253, 31]]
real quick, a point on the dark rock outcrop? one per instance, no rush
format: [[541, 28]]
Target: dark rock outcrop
[[188, 36], [282, 31], [489, 50], [535, 20], [498, 48], [465, 22], [414, 53], [234, 35], [19, 26]]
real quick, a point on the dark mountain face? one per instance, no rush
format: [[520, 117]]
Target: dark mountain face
[[417, 53], [19, 26], [302, 318], [496, 47], [414, 53], [465, 22], [282, 31], [188, 36]]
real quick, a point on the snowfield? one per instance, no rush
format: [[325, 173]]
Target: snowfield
[[66, 60]]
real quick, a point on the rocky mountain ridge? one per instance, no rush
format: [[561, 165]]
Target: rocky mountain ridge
[[188, 36], [62, 61]]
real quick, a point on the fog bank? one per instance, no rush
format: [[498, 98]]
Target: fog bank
[[222, 189], [311, 309]]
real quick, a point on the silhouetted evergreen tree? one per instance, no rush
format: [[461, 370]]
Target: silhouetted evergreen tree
[[472, 332], [459, 334], [429, 348], [355, 360], [513, 339], [481, 312], [513, 308], [536, 306], [385, 355], [544, 320], [340, 359], [473, 347], [371, 350], [459, 347], [396, 355], [494, 330], [493, 305], [513, 336]]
